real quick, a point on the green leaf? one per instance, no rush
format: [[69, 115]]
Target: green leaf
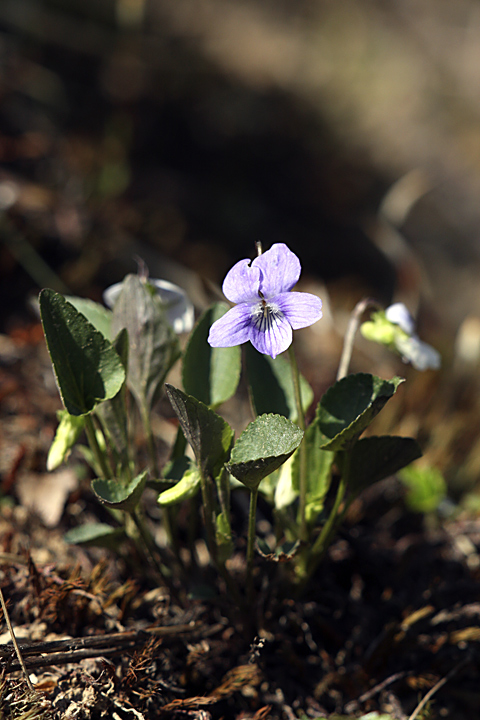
[[185, 489], [95, 535], [381, 330], [97, 314], [209, 434], [271, 385], [120, 497], [319, 471], [279, 487], [87, 367], [153, 346], [262, 447], [375, 458], [113, 413], [210, 374], [426, 487], [68, 432], [349, 406]]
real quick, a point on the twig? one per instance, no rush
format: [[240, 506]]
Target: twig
[[62, 652], [15, 644], [352, 328], [437, 687], [355, 704]]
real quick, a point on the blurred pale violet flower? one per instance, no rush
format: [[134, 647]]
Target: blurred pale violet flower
[[399, 315], [421, 355], [178, 306], [266, 311]]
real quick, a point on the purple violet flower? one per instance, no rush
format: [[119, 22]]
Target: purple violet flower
[[266, 311]]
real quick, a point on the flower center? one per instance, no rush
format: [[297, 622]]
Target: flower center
[[265, 315]]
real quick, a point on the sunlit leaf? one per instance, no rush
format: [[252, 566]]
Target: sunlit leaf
[[68, 431], [87, 367], [184, 489], [264, 445], [209, 434], [97, 314], [118, 496], [349, 406], [210, 374]]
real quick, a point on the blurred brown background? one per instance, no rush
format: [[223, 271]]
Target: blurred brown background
[[182, 131]]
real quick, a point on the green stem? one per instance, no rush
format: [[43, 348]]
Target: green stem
[[302, 450], [167, 515], [322, 541], [252, 514], [102, 461], [208, 516], [152, 450], [151, 548]]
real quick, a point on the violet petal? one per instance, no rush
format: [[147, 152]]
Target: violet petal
[[300, 308], [233, 328], [242, 283], [280, 270], [275, 339]]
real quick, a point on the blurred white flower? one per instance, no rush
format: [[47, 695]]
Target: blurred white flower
[[178, 306], [395, 328], [419, 353], [399, 315]]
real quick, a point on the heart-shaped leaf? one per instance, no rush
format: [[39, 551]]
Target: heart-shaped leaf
[[87, 367], [263, 446], [349, 406], [210, 374], [120, 497], [375, 458], [209, 434], [271, 385]]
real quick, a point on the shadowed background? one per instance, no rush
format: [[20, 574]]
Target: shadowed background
[[182, 131]]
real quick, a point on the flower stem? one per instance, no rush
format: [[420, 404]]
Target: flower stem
[[350, 333], [323, 540], [208, 515], [96, 449], [252, 514], [302, 450], [152, 451], [167, 515], [151, 549]]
